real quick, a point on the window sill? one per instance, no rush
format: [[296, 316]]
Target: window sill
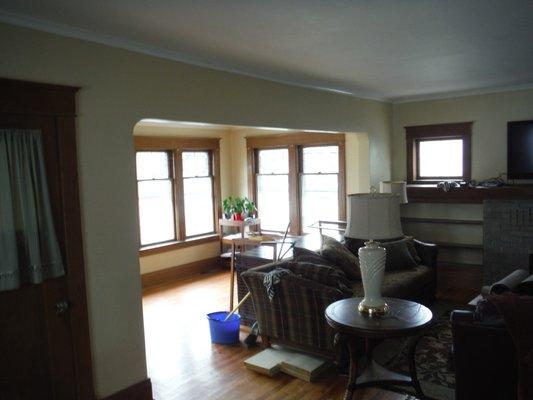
[[176, 245]]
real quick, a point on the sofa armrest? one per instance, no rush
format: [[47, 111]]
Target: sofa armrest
[[462, 317], [428, 252]]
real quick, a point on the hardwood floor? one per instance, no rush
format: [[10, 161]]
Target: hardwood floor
[[183, 364]]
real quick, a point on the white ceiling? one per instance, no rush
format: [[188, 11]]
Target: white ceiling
[[385, 49]]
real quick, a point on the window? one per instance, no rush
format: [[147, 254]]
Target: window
[[197, 193], [156, 199], [179, 190], [438, 152], [319, 185], [297, 178], [273, 188]]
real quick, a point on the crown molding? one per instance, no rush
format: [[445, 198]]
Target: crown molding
[[461, 93], [137, 47]]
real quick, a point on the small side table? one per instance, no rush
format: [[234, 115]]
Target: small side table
[[405, 318]]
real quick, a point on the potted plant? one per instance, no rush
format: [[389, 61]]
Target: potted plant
[[250, 208], [238, 209], [228, 206]]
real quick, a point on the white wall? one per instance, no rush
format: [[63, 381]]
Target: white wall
[[118, 88]]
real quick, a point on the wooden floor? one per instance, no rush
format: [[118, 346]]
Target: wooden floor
[[183, 364]]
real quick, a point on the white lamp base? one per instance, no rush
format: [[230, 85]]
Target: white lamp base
[[372, 262]]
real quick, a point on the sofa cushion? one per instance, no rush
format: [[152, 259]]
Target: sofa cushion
[[402, 284], [323, 274], [339, 255], [398, 255]]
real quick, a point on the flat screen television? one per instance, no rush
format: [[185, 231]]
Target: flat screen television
[[520, 150]]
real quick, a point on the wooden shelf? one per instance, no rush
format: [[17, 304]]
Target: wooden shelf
[[466, 195], [442, 221], [472, 246]]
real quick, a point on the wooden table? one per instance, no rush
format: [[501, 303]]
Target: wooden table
[[405, 318]]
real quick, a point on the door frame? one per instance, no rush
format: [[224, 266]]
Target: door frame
[[58, 101]]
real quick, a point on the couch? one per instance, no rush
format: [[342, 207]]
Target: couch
[[295, 316]]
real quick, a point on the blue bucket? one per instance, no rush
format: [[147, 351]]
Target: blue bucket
[[224, 332]]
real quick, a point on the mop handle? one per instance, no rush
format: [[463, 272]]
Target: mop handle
[[237, 306]]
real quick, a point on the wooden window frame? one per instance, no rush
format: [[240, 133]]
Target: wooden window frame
[[416, 134], [294, 143], [177, 146]]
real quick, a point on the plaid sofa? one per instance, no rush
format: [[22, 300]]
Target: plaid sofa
[[295, 315]]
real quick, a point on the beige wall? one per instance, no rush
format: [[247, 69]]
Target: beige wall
[[490, 114], [118, 88]]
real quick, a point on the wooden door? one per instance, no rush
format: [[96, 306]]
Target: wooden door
[[44, 343]]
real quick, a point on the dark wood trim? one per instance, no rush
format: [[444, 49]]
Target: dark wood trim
[[300, 139], [171, 143], [294, 190], [37, 99], [342, 182], [179, 272], [179, 204], [294, 143], [413, 135], [32, 98], [441, 221], [176, 245], [466, 195], [251, 171], [217, 197], [79, 316], [139, 391]]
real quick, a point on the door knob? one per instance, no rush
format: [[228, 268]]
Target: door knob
[[62, 306]]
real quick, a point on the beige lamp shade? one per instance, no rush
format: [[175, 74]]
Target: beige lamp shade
[[373, 216], [397, 187]]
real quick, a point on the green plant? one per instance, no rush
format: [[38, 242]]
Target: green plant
[[249, 206], [238, 205], [228, 206]]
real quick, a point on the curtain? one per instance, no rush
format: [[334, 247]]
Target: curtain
[[29, 251]]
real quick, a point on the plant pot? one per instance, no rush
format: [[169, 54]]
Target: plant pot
[[238, 217]]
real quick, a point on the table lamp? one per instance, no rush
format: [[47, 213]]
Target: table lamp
[[373, 216], [398, 187]]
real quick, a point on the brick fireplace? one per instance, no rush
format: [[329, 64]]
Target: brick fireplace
[[507, 237]]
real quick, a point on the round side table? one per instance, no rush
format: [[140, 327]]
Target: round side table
[[404, 318]]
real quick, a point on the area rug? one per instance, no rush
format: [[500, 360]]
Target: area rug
[[432, 356]]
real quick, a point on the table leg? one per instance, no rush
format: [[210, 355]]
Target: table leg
[[352, 376], [412, 368], [232, 277]]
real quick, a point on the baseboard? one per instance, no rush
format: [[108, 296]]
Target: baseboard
[[179, 272], [139, 391]]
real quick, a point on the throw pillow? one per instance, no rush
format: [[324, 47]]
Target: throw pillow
[[300, 254], [339, 255], [323, 274], [398, 255]]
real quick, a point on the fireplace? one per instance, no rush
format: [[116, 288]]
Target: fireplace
[[507, 237]]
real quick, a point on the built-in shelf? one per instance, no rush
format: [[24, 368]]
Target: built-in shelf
[[458, 265], [472, 246], [465, 195], [442, 221]]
